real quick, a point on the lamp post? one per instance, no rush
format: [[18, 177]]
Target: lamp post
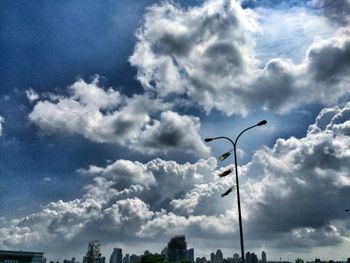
[[224, 156]]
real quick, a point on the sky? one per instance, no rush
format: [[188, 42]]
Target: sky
[[104, 107]]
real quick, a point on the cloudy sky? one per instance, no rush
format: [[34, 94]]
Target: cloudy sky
[[104, 107]]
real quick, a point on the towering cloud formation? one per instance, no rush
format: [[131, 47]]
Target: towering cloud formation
[[207, 53], [293, 195], [204, 52]]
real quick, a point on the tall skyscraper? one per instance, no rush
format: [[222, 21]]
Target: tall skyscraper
[[263, 257], [93, 254], [251, 257], [177, 247], [254, 258], [219, 257], [212, 257], [248, 257], [190, 254], [117, 256]]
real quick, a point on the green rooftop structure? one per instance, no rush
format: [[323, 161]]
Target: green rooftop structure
[[7, 256]]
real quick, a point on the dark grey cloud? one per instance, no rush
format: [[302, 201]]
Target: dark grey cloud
[[337, 11], [331, 62], [174, 131]]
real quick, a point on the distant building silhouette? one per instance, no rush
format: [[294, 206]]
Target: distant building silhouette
[[212, 257], [263, 257], [126, 258], [201, 260], [7, 256], [134, 258], [219, 257], [177, 248], [93, 254], [165, 252], [236, 258], [190, 254], [251, 258], [117, 256]]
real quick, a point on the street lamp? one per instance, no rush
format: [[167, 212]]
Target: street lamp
[[224, 156]]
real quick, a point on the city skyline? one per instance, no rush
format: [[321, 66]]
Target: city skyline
[[105, 108], [117, 255]]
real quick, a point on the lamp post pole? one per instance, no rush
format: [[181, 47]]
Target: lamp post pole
[[234, 144]]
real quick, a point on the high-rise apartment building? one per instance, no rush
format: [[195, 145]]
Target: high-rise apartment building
[[190, 254], [117, 256], [212, 257], [177, 248], [219, 257], [263, 257]]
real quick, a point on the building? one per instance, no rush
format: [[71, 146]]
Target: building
[[219, 257], [165, 253], [251, 257], [177, 248], [117, 256], [248, 257], [134, 259], [190, 254], [7, 256], [93, 254], [212, 257], [69, 261], [263, 257], [201, 260], [126, 258]]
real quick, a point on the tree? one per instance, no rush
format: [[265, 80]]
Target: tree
[[153, 258]]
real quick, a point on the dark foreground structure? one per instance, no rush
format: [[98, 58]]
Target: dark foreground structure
[[7, 256]]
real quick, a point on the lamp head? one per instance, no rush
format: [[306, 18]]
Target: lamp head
[[262, 123], [225, 173], [228, 191], [224, 156], [208, 139]]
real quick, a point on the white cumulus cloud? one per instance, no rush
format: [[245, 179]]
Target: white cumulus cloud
[[105, 116], [207, 54]]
